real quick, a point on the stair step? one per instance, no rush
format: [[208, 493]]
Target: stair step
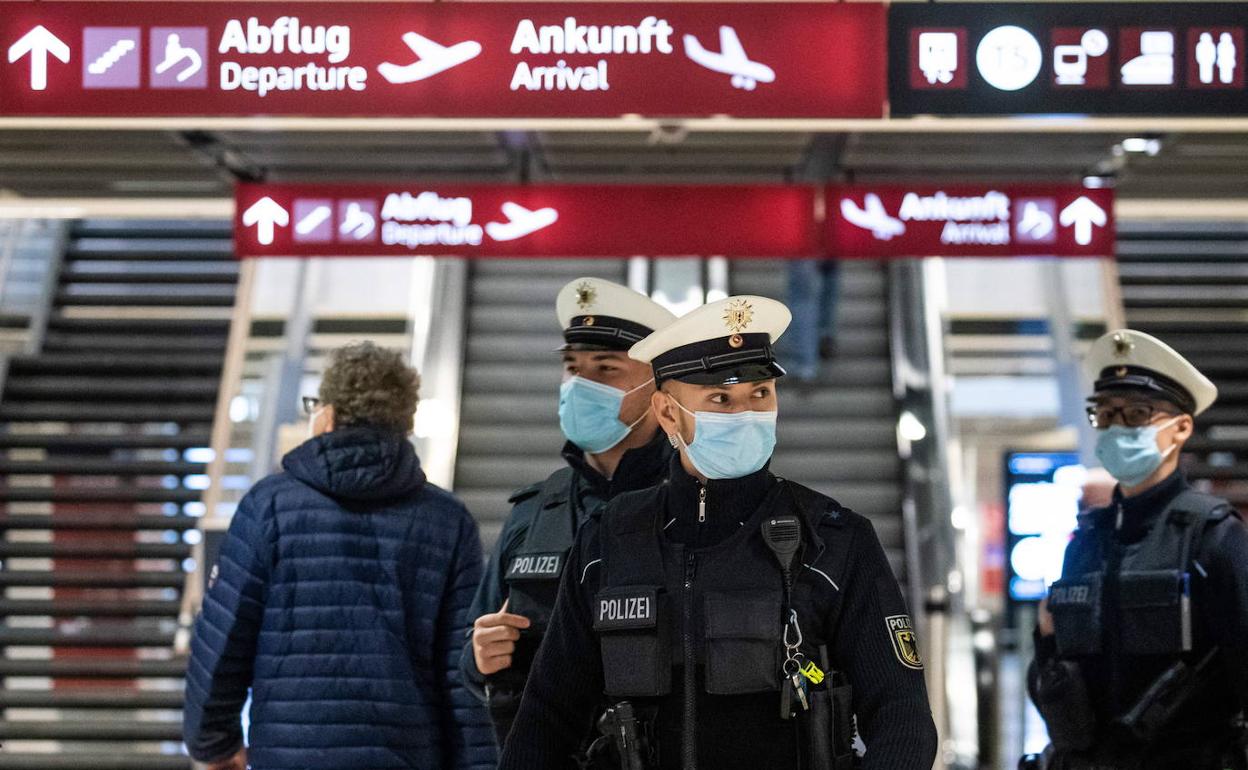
[[149, 249], [77, 296], [108, 363], [98, 494], [91, 466], [101, 521], [223, 273], [1182, 274], [185, 439], [91, 699], [91, 731], [155, 326], [102, 549], [85, 386], [66, 579], [97, 636], [69, 608], [69, 342], [151, 229], [832, 465], [94, 668], [91, 759], [1201, 443], [52, 411], [1198, 470]]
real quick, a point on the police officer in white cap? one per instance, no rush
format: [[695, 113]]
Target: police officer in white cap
[[1142, 650], [727, 618], [614, 445]]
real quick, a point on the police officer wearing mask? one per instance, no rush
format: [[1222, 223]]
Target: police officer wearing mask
[[727, 618], [1140, 653], [614, 445]]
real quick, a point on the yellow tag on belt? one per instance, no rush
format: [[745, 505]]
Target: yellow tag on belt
[[812, 672]]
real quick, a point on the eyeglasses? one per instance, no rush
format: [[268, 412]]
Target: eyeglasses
[[310, 405], [1132, 415]]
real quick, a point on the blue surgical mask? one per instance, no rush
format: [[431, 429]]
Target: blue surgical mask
[[589, 414], [730, 445], [1131, 455]]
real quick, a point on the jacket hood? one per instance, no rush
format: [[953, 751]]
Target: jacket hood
[[362, 464]]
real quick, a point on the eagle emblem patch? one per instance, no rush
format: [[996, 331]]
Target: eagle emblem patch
[[586, 294], [738, 315], [905, 644]]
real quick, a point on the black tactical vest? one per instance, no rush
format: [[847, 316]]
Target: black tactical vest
[[1152, 583], [720, 609], [533, 571]]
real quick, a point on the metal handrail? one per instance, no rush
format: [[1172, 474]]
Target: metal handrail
[[439, 343], [916, 341], [231, 377]]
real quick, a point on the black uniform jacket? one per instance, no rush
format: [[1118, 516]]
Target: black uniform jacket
[[639, 468], [845, 594], [1219, 590]]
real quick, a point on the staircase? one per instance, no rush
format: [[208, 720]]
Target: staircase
[[509, 423], [1188, 285], [102, 438], [839, 436]]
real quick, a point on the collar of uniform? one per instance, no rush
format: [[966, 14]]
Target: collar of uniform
[[639, 468], [1139, 512], [729, 503]]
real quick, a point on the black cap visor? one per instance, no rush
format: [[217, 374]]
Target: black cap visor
[[1120, 380], [735, 375], [585, 347]]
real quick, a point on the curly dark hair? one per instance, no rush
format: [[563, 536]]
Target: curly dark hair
[[370, 385]]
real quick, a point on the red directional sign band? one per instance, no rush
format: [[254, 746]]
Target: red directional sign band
[[969, 221], [504, 59], [503, 221], [665, 221]]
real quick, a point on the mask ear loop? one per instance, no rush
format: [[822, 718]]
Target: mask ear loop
[[644, 412], [1164, 426], [683, 444]]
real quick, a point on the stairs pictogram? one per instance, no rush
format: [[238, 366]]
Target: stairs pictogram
[[110, 57]]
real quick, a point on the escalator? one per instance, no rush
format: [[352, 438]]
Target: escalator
[[1188, 285], [509, 424], [102, 451], [838, 435]]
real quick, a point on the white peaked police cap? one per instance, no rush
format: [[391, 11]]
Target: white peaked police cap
[[601, 315], [721, 343], [1127, 360]]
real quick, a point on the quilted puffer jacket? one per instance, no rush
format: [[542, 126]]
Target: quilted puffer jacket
[[340, 600]]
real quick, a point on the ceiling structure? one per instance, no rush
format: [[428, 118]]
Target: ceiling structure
[[204, 164]]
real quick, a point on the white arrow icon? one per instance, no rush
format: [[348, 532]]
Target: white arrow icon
[[1083, 214], [264, 214], [39, 42]]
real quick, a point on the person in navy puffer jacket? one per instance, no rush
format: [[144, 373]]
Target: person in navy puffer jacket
[[340, 600]]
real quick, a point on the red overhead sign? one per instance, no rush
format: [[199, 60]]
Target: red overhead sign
[[969, 221], [505, 59], [504, 221]]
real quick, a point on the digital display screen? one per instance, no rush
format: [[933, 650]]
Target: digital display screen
[[1043, 490]]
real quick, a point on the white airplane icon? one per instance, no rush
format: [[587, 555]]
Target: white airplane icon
[[731, 60], [431, 58], [873, 217], [520, 222]]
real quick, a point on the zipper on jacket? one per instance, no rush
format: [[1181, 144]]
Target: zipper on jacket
[[1112, 601], [689, 743], [701, 503]]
